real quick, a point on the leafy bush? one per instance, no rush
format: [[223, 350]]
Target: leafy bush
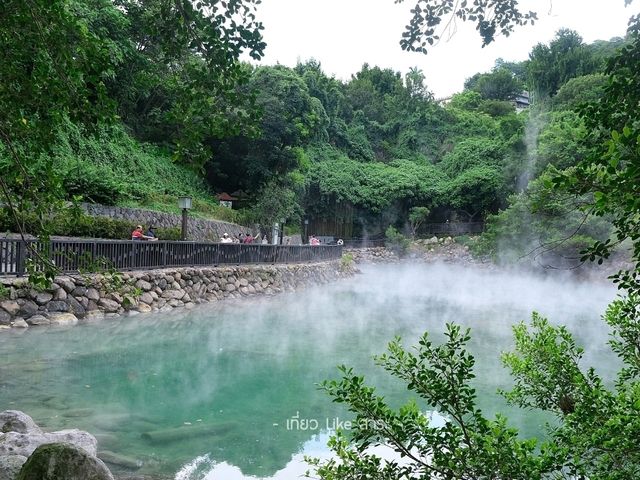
[[396, 242], [81, 225], [4, 292], [346, 262], [93, 183], [540, 225]]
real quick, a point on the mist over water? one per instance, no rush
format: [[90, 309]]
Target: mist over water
[[209, 393], [532, 128]]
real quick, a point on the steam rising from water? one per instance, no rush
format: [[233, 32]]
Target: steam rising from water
[[532, 128], [244, 368]]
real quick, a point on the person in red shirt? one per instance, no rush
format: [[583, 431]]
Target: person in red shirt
[[138, 235]]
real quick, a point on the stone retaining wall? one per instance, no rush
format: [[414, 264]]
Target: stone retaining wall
[[372, 255], [77, 298], [199, 229]]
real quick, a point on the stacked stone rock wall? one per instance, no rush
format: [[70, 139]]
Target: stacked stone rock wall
[[372, 255], [199, 230], [76, 298]]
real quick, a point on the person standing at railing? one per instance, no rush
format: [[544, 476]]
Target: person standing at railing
[[313, 241], [226, 238], [250, 238]]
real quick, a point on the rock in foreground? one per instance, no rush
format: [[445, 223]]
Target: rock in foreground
[[63, 461], [26, 452]]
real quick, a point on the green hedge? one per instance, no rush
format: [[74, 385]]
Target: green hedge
[[83, 226]]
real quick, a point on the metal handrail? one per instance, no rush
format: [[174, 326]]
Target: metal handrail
[[71, 256]]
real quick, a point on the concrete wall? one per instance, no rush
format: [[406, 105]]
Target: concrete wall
[[198, 230]]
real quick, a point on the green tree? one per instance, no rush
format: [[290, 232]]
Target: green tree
[[565, 57], [579, 90], [417, 216], [62, 59], [561, 142], [501, 84], [433, 18], [468, 445], [290, 118]]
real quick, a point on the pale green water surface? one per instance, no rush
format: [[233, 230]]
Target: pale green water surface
[[229, 376]]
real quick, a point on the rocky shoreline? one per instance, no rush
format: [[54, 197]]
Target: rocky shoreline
[[73, 299], [443, 249], [29, 453]]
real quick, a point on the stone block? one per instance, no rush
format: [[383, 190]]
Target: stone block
[[28, 308], [10, 306], [93, 294], [109, 305], [63, 319], [58, 306], [38, 320]]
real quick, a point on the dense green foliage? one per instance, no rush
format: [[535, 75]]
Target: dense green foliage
[[291, 143], [81, 225]]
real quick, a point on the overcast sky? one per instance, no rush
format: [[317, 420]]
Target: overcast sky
[[344, 34]]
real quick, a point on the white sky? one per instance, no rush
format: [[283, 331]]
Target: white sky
[[344, 34]]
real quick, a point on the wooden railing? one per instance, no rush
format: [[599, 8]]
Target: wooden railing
[[71, 256]]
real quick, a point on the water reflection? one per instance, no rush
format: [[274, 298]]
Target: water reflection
[[220, 382]]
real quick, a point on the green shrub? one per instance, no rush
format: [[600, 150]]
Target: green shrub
[[346, 262], [93, 183], [4, 292], [396, 242], [82, 225]]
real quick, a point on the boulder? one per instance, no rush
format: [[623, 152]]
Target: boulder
[[16, 443], [64, 319], [109, 305], [92, 306], [43, 297], [60, 294], [78, 438], [20, 323], [75, 306], [5, 318], [28, 309], [58, 306], [79, 291], [38, 320], [62, 461], [66, 283], [17, 421], [93, 294], [143, 308], [10, 466], [10, 306], [173, 294], [146, 298], [143, 285], [93, 316]]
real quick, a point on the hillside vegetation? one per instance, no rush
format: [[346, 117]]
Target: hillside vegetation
[[295, 143]]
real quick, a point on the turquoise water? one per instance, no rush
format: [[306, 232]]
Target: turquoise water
[[213, 392]]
